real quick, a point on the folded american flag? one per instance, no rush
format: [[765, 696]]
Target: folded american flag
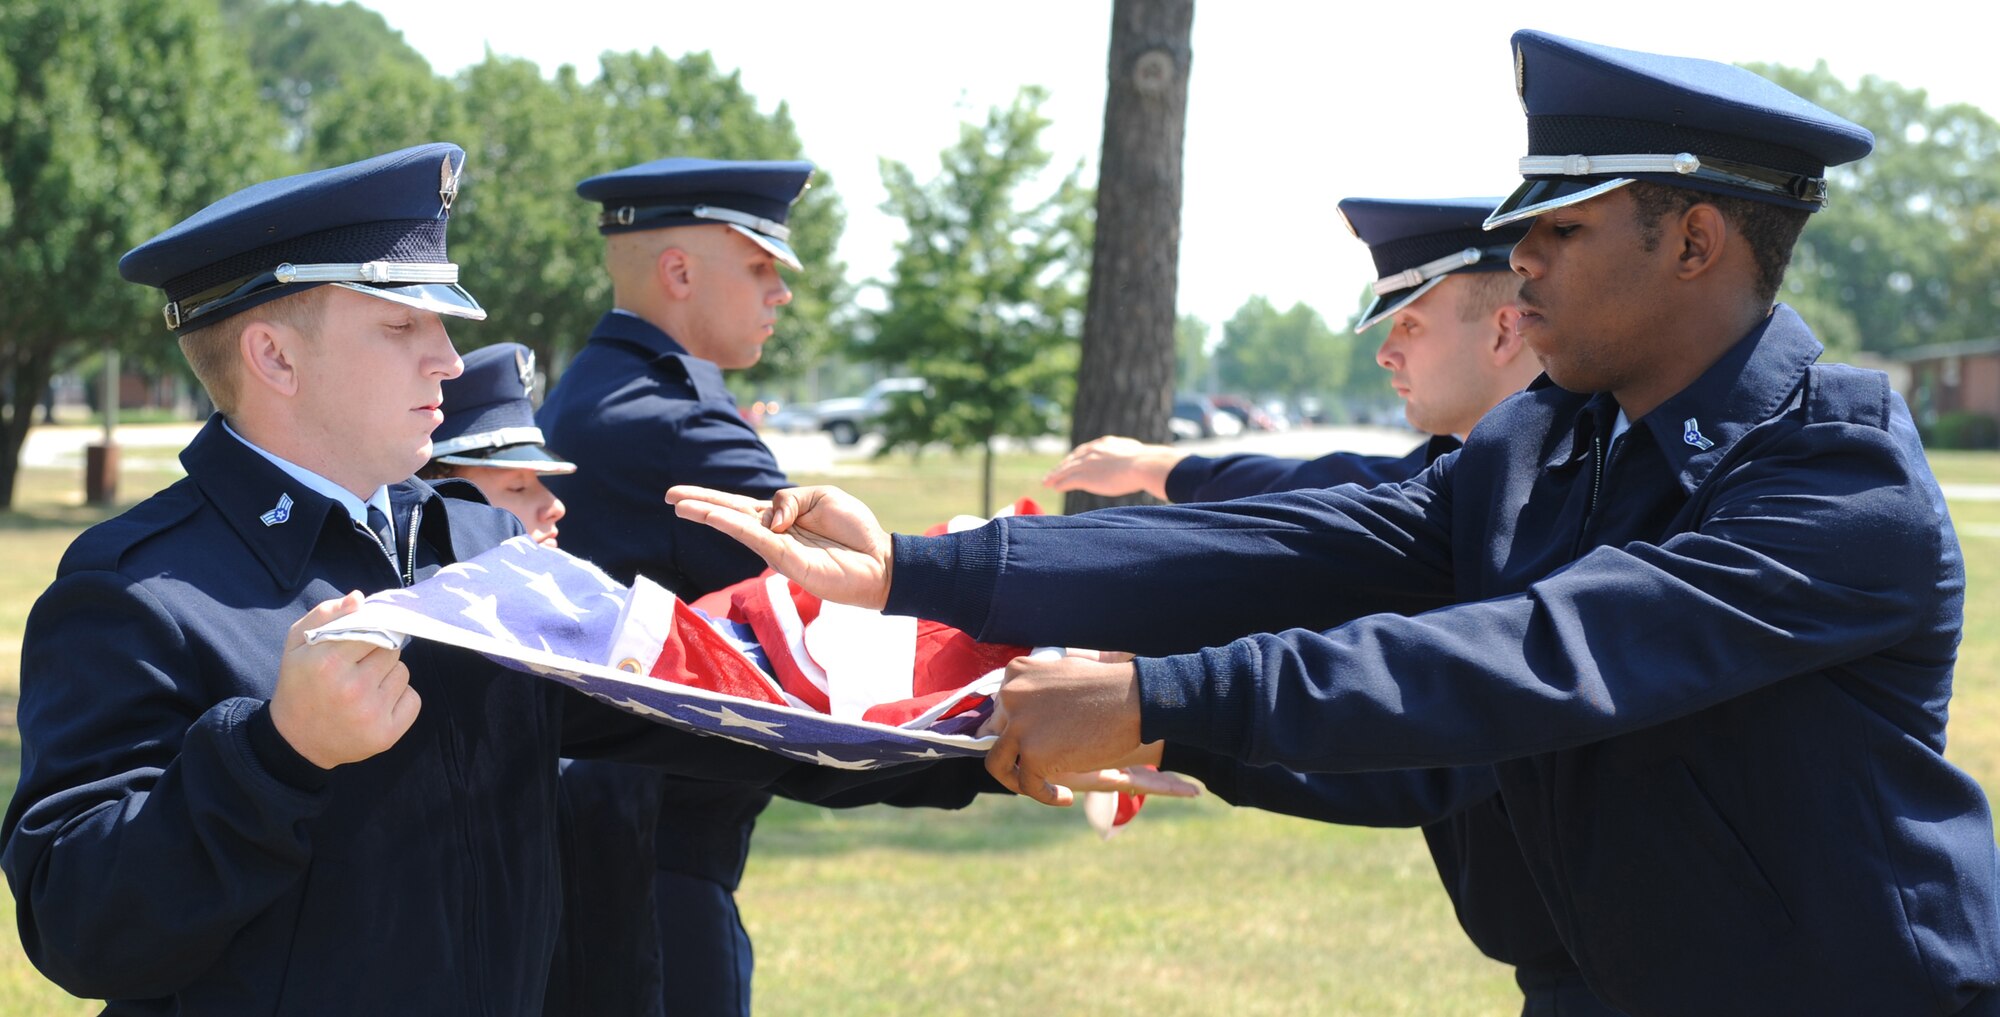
[[761, 662], [841, 686]]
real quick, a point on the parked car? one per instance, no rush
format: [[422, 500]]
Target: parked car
[[847, 418], [1198, 417], [1252, 416], [791, 418]]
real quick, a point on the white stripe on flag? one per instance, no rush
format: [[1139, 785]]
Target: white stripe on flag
[[869, 657], [779, 590]]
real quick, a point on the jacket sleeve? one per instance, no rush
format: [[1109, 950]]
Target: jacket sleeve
[[1199, 478], [620, 504], [1169, 579], [945, 784], [146, 832], [1823, 550], [1386, 798], [716, 449]]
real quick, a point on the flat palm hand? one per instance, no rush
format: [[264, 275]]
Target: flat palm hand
[[822, 538]]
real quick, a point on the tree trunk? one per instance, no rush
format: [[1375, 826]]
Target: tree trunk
[[32, 369], [986, 479], [1125, 384]]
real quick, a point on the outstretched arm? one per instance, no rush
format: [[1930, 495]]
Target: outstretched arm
[[1114, 466], [822, 537]]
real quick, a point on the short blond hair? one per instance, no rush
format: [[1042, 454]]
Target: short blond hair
[[211, 350], [1482, 293]]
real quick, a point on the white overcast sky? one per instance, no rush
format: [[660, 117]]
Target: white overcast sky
[[1291, 106]]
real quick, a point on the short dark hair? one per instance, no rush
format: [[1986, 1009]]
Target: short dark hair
[[437, 469], [1771, 230]]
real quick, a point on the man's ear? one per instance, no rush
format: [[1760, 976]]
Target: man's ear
[[675, 269], [1704, 237], [269, 353], [1506, 333]]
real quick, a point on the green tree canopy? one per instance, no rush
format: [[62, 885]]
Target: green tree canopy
[[302, 51], [528, 245], [1898, 247], [118, 118], [1289, 353], [985, 299]]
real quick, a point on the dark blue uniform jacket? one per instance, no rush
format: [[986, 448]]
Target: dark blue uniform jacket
[[167, 849], [1464, 822], [1711, 662], [638, 414], [1200, 478]]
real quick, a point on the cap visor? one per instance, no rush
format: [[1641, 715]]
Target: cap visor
[[1535, 197], [442, 298], [514, 457], [1384, 306], [778, 248]]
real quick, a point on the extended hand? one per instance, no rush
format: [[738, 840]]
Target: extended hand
[[1061, 716], [822, 538], [340, 701], [1113, 466], [1134, 780]]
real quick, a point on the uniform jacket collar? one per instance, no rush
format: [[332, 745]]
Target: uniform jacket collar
[[630, 328], [280, 519], [661, 349], [1699, 425]]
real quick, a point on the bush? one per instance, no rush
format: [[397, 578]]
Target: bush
[[1963, 429]]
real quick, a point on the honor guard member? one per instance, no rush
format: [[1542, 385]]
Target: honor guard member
[[693, 247], [489, 438], [1695, 597], [212, 816], [1453, 354]]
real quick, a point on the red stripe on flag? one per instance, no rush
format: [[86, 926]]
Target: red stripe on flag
[[697, 655]]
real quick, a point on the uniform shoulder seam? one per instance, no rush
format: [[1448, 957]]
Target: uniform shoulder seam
[[1847, 394], [104, 546]]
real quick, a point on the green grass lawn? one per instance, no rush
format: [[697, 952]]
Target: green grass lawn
[[1010, 907]]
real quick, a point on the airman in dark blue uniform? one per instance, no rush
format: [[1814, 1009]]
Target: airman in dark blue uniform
[[214, 818], [694, 247], [1453, 354], [1693, 597], [489, 438], [1451, 357]]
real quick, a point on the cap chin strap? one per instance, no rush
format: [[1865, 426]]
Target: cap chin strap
[[628, 215], [497, 438], [1796, 186], [376, 272]]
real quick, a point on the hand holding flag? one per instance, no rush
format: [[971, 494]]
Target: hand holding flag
[[1067, 714]]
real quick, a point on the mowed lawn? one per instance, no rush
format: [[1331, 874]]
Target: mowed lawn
[[1009, 907]]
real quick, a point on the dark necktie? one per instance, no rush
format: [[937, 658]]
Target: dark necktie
[[385, 533]]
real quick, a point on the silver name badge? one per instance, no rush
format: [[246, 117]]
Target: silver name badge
[[1691, 433], [281, 513]]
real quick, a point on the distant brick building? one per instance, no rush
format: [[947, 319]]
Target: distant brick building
[[1951, 378]]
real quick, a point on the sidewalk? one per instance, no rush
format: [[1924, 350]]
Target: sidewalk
[[152, 446], [157, 446]]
